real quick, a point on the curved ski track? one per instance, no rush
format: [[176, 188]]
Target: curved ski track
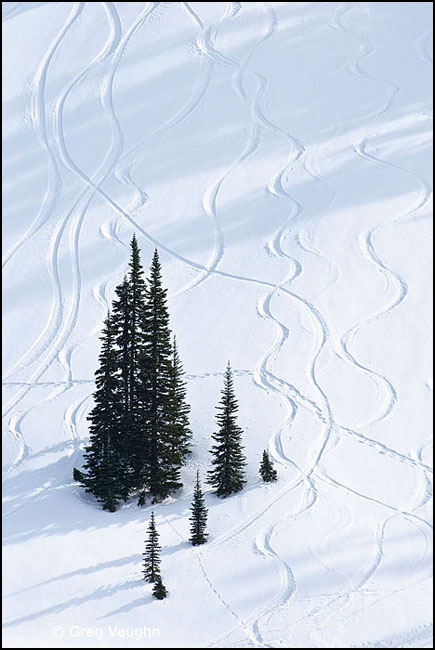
[[59, 335], [263, 376], [393, 89]]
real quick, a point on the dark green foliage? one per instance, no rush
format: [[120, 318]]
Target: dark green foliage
[[228, 473], [159, 589], [178, 431], [199, 516], [151, 562], [267, 471], [160, 476], [103, 473], [121, 324], [135, 441], [121, 321], [136, 313], [140, 428]]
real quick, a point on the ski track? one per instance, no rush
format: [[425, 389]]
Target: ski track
[[366, 239], [366, 574], [262, 376], [60, 336], [15, 8], [335, 483], [197, 554], [276, 248], [55, 342], [116, 148], [416, 501], [420, 498], [422, 47], [264, 309], [39, 121], [276, 188], [9, 9], [342, 345], [54, 345], [305, 242], [53, 190], [288, 585], [251, 279], [71, 419]]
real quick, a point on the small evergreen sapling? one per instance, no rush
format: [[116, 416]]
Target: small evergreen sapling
[[159, 589], [267, 471], [151, 563], [199, 516]]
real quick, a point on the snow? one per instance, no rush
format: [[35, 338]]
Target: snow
[[279, 156]]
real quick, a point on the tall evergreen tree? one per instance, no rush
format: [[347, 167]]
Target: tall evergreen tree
[[151, 562], [267, 471], [199, 516], [122, 326], [227, 475], [150, 435], [128, 309], [159, 475], [178, 432], [136, 313], [159, 590], [136, 446], [103, 473]]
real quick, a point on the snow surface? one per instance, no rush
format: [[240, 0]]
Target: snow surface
[[279, 156]]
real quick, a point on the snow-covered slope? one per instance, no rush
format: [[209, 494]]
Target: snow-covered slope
[[279, 156]]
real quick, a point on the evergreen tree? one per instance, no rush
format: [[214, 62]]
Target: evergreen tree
[[128, 309], [103, 473], [151, 563], [159, 474], [136, 312], [267, 471], [136, 448], [178, 432], [159, 589], [121, 322], [227, 475], [142, 429], [199, 516], [121, 325]]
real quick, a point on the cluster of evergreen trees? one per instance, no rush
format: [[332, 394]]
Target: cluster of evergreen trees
[[139, 426], [198, 534], [151, 556], [139, 431]]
